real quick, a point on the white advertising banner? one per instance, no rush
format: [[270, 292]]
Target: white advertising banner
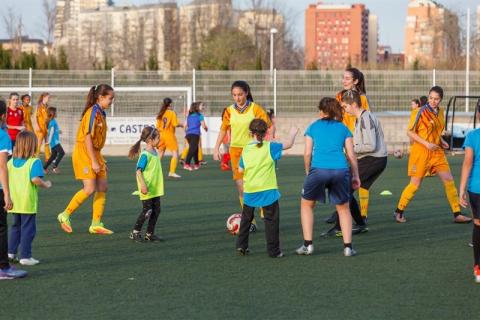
[[126, 130]]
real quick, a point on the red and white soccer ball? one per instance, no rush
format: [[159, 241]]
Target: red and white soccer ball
[[233, 223], [398, 154]]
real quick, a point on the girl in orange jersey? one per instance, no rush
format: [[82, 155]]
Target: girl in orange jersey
[[88, 162], [237, 118], [167, 122], [27, 112], [41, 116]]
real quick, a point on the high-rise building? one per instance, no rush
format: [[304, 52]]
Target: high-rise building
[[432, 34], [372, 39], [336, 35]]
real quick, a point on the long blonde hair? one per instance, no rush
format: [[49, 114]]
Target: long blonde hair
[[25, 145]]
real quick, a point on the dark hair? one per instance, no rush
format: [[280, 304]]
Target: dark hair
[[270, 113], [3, 108], [358, 75], [195, 107], [40, 98], [438, 90], [331, 108], [24, 96], [167, 102], [351, 96], [147, 134], [244, 86], [94, 93], [12, 94], [51, 113], [423, 101], [258, 128]]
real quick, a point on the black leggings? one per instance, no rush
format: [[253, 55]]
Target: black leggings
[[193, 141], [151, 211], [272, 227], [56, 157]]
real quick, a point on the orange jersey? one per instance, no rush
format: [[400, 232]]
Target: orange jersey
[[348, 119], [428, 124], [27, 116], [167, 124], [94, 123], [41, 117]]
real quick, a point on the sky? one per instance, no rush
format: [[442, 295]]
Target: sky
[[391, 15]]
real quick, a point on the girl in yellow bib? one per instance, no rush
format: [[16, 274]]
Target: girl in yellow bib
[[25, 175], [88, 162], [260, 186], [149, 182], [41, 117], [167, 122], [237, 119]]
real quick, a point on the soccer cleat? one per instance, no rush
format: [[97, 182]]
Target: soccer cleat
[[253, 228], [307, 251], [330, 232], [476, 273], [332, 218], [225, 167], [12, 258], [56, 170], [203, 163], [462, 219], [64, 220], [187, 167], [399, 217], [152, 238], [196, 167], [136, 236], [360, 229], [278, 255], [174, 175], [243, 252], [349, 252], [99, 229], [12, 273], [29, 262]]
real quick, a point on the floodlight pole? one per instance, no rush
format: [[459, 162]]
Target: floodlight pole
[[467, 64], [273, 31]]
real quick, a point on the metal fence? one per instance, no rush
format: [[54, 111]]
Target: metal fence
[[287, 91]]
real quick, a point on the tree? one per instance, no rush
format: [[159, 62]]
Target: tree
[[226, 49], [14, 27], [152, 61], [5, 58], [62, 59], [50, 14]]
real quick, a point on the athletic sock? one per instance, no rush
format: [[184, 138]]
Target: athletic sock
[[98, 207], [76, 201], [364, 196], [307, 243], [200, 153], [476, 244], [407, 195], [183, 156], [173, 165], [452, 196], [347, 245]]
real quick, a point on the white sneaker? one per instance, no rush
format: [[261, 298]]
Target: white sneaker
[[307, 251], [11, 256], [174, 175], [349, 252], [29, 262]]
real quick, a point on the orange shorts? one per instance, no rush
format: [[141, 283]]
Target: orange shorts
[[422, 161], [235, 155], [82, 165], [168, 142]]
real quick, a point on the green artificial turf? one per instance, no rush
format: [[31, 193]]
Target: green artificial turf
[[418, 270]]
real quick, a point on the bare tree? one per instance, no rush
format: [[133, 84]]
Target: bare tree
[[14, 26], [50, 13]]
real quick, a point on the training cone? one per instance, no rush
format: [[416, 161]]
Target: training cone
[[385, 193]]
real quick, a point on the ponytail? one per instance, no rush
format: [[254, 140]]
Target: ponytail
[[148, 133], [94, 93], [258, 128], [358, 75], [167, 102]]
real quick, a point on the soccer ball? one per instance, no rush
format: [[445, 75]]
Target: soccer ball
[[233, 223], [398, 154]]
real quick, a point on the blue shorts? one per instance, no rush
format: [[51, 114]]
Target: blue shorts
[[336, 181]]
